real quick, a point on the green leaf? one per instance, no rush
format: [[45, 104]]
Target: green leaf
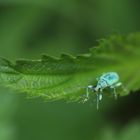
[[66, 77]]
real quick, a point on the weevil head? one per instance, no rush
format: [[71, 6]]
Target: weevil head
[[96, 88]]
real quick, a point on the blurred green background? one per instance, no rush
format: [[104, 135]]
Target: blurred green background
[[29, 28]]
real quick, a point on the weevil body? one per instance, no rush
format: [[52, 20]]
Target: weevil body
[[106, 80]]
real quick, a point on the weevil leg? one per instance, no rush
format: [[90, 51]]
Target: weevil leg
[[87, 90], [118, 84], [115, 94], [99, 97], [122, 86], [86, 96], [124, 89], [114, 89], [97, 101]]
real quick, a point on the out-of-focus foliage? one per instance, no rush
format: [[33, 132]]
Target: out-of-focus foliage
[[64, 78], [129, 132], [7, 110], [29, 28]]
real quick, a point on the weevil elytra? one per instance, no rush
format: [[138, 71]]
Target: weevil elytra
[[106, 80]]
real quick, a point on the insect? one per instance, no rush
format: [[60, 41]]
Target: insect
[[106, 80]]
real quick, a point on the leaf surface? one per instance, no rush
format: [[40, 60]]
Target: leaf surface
[[66, 77]]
